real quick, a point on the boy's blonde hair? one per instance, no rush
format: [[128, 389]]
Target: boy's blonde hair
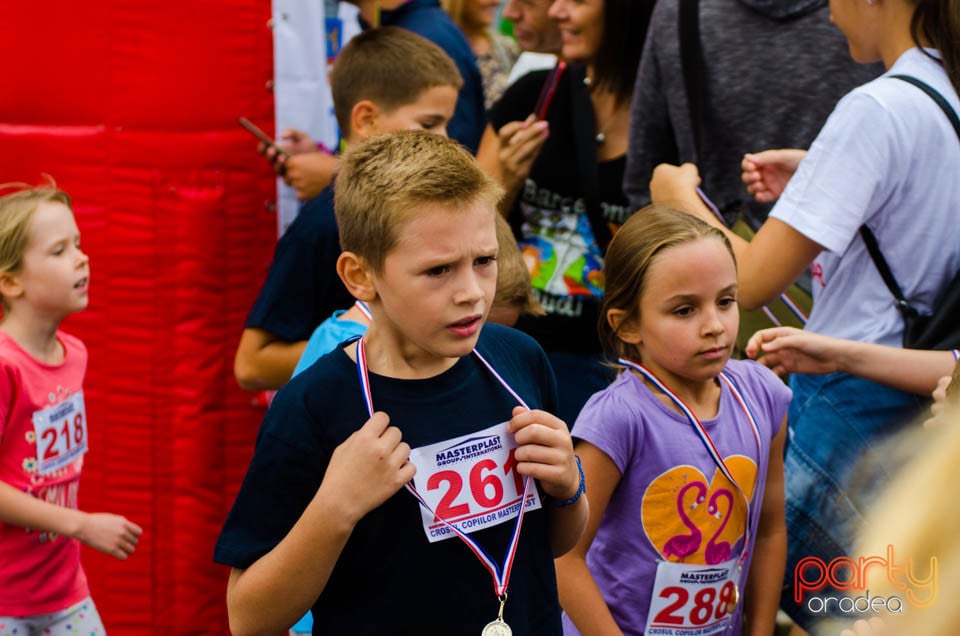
[[513, 278], [390, 67], [631, 252], [384, 179], [16, 210]]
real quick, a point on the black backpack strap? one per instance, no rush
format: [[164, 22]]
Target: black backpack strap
[[691, 62], [935, 96], [868, 238], [874, 248]]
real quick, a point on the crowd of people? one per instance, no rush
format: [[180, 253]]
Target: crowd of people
[[503, 329]]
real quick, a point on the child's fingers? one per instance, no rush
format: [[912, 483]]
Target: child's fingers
[[127, 546], [130, 538], [542, 454], [539, 434], [523, 418], [386, 444], [376, 425]]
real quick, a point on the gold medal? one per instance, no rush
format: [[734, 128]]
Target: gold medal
[[497, 628], [732, 605]]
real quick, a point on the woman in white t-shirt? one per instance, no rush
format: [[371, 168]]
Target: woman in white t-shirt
[[886, 158]]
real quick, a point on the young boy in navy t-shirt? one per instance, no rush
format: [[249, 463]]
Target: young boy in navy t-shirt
[[429, 394]]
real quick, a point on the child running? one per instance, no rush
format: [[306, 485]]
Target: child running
[[430, 398], [44, 277], [683, 452]]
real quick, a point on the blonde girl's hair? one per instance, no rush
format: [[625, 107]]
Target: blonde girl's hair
[[915, 516], [633, 249], [384, 180], [16, 210]]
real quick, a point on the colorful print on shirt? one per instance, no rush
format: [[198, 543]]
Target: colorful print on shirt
[[691, 520]]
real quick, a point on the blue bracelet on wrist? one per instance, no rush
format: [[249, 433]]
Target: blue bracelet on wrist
[[580, 490]]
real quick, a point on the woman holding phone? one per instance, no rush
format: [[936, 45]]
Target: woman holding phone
[[562, 169]]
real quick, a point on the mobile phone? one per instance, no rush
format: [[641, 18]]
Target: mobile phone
[[259, 134], [549, 90]]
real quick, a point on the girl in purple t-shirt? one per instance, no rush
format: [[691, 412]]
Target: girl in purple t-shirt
[[44, 277], [683, 453]]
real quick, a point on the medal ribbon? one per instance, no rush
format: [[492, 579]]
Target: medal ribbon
[[364, 309], [705, 437], [500, 575]]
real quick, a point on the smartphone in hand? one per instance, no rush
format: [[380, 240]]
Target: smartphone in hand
[[549, 90], [262, 136]]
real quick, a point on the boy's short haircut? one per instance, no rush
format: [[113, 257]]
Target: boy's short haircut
[[389, 66], [513, 278], [383, 180]]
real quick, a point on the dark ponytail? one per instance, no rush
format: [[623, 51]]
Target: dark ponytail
[[938, 23]]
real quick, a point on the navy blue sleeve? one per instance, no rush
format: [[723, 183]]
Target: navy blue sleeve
[[302, 287], [283, 476]]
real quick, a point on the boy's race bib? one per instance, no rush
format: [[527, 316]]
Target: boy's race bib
[[470, 482]]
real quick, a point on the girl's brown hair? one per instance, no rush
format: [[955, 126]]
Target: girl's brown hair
[[937, 22]]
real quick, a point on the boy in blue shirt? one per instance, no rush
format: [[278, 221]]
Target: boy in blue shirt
[[383, 80], [429, 394]]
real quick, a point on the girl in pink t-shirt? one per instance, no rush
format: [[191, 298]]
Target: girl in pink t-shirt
[[44, 278]]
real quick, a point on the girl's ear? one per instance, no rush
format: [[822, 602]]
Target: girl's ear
[[357, 276], [363, 119], [10, 287], [625, 329]]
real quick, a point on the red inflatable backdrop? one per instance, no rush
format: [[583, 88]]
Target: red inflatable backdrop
[[132, 108]]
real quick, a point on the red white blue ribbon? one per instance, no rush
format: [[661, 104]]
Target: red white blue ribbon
[[364, 309], [500, 575], [705, 437]]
